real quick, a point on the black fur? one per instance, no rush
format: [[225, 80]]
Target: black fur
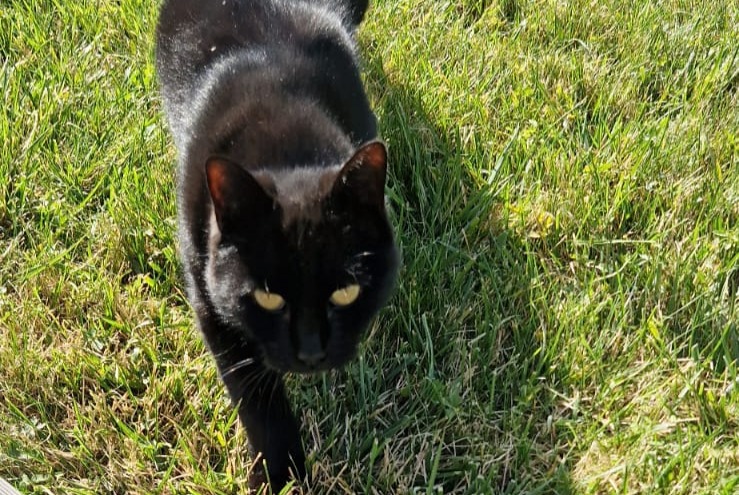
[[280, 189]]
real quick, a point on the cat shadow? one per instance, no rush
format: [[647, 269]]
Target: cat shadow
[[459, 344]]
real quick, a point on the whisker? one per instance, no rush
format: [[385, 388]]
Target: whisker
[[253, 383], [363, 254], [275, 384], [217, 355], [237, 366], [355, 267]]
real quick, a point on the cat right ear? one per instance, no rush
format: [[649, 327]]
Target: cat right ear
[[236, 194], [362, 178]]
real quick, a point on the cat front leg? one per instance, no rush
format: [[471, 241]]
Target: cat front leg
[[264, 410], [272, 430]]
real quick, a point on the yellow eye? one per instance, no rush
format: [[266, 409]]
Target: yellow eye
[[345, 296], [269, 300]]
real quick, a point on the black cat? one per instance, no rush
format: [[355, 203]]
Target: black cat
[[284, 238]]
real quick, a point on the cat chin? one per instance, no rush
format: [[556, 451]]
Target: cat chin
[[303, 369], [297, 367]]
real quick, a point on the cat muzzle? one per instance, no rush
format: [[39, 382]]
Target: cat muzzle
[[310, 349]]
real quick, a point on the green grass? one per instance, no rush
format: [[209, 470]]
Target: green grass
[[565, 186]]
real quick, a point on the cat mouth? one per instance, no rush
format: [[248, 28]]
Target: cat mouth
[[297, 366], [300, 368]]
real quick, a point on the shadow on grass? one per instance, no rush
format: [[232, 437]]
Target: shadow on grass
[[470, 389]]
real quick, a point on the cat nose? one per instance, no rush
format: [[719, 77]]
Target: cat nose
[[311, 350], [311, 358]]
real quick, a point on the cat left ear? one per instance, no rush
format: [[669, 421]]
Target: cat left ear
[[235, 193], [363, 176]]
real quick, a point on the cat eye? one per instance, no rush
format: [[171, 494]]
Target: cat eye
[[345, 296], [268, 300]]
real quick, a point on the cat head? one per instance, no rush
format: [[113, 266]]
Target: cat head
[[301, 260]]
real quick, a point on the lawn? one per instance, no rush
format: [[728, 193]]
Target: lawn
[[564, 182]]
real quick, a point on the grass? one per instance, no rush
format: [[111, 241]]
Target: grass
[[565, 186]]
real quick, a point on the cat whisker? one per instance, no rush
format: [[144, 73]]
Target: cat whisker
[[363, 254], [354, 267], [275, 384], [217, 355], [237, 366], [244, 386], [252, 384]]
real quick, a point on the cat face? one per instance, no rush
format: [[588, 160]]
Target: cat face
[[300, 261]]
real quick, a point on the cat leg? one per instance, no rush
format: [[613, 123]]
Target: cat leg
[[273, 432], [265, 412], [271, 428]]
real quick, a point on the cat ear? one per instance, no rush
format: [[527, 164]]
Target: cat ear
[[363, 176], [235, 193]]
